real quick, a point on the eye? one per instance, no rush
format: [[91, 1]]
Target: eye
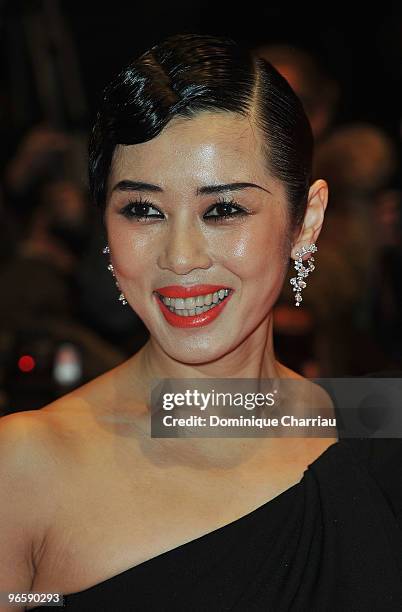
[[139, 210], [224, 210]]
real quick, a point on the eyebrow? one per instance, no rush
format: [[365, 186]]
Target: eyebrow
[[207, 189], [228, 187], [136, 186]]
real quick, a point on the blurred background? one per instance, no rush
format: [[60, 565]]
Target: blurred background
[[61, 323]]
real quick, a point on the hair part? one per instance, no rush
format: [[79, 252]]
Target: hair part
[[187, 74]]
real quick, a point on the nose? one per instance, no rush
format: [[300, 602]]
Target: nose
[[184, 248]]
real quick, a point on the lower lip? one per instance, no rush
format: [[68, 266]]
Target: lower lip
[[192, 321]]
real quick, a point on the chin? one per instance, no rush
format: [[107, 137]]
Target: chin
[[195, 350]]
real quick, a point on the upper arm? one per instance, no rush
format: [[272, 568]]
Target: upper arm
[[23, 509]]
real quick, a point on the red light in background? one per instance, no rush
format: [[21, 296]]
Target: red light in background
[[26, 363]]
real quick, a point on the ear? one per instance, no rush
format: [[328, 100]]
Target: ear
[[314, 216]]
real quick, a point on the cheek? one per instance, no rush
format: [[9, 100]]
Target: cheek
[[133, 250], [260, 253]]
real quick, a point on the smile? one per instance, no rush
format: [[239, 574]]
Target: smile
[[193, 311], [191, 306]]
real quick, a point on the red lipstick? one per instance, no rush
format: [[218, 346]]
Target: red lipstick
[[199, 320], [184, 292]]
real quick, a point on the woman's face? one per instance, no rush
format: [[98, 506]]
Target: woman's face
[[165, 217]]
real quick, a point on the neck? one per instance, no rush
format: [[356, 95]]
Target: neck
[[253, 358]]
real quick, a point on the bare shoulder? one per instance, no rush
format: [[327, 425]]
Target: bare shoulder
[[33, 454], [41, 452], [35, 440], [25, 438], [79, 422]]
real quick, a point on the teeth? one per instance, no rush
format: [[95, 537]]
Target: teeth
[[178, 303], [194, 306]]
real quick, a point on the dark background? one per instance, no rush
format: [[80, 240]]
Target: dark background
[[359, 44]]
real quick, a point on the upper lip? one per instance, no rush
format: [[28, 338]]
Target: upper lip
[[185, 292]]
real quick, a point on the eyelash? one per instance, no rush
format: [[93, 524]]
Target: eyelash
[[126, 211]]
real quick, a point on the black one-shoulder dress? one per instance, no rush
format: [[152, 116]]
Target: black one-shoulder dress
[[332, 542]]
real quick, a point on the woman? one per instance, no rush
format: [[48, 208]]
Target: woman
[[201, 160]]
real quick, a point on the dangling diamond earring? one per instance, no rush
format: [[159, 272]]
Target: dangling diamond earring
[[302, 272], [122, 298]]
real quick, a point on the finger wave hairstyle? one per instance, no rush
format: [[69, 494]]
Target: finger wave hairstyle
[[187, 74]]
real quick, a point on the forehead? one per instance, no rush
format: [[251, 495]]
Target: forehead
[[207, 147]]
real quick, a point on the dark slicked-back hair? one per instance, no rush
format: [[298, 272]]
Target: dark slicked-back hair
[[187, 74]]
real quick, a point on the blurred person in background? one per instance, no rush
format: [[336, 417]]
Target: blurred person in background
[[39, 155], [40, 307], [360, 162], [55, 275], [54, 231], [384, 308], [53, 219], [42, 149], [317, 91]]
